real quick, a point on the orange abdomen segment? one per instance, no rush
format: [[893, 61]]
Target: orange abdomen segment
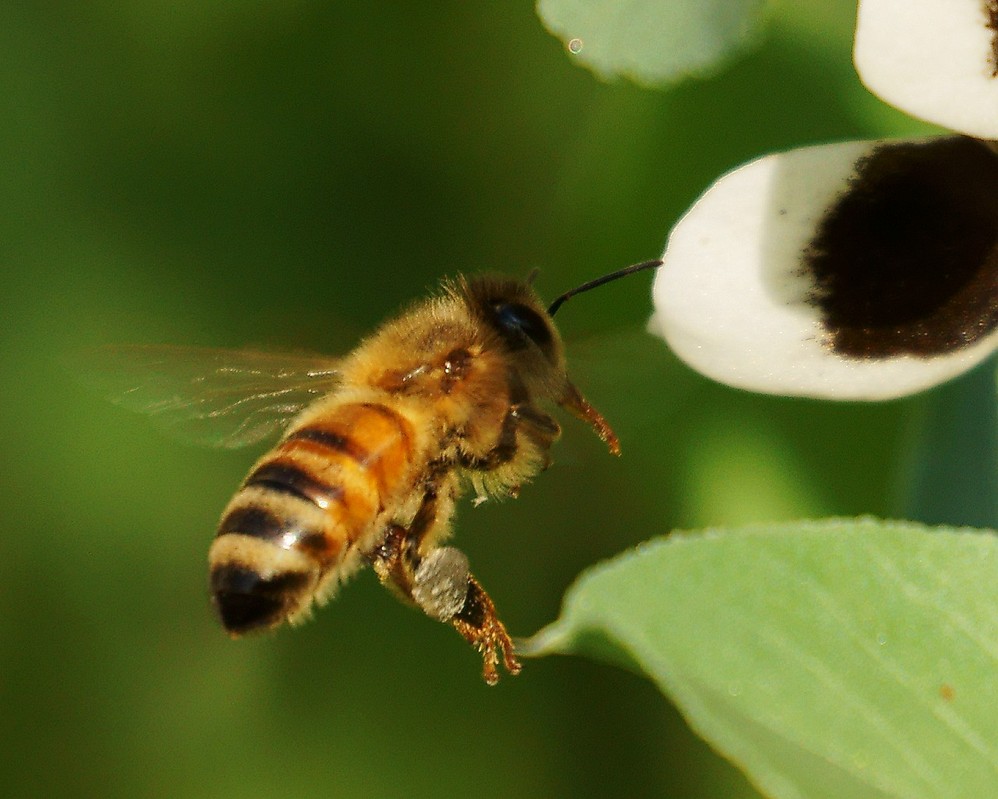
[[354, 459], [302, 509]]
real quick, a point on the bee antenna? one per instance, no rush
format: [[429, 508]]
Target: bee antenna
[[627, 270]]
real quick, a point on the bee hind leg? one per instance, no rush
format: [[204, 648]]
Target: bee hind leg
[[447, 591], [441, 585], [481, 627]]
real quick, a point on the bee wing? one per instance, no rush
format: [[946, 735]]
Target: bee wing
[[213, 397]]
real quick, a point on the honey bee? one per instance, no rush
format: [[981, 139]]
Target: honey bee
[[377, 448]]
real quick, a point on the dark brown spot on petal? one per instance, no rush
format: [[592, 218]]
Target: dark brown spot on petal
[[991, 15], [906, 261]]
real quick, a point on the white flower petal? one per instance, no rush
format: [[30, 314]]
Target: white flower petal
[[935, 59], [749, 293]]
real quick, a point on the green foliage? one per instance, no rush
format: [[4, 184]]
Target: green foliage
[[651, 41], [832, 659]]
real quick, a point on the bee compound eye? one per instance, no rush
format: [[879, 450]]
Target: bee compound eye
[[519, 322], [440, 584]]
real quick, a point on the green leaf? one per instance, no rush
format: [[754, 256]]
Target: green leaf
[[846, 658], [650, 41]]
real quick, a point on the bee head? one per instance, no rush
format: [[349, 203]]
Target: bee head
[[512, 310], [515, 316]]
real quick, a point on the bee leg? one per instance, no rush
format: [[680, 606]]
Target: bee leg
[[447, 591], [397, 557], [540, 427], [481, 627], [523, 417], [391, 568], [440, 584]]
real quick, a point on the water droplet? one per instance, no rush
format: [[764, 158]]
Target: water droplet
[[881, 639], [575, 46], [734, 688]]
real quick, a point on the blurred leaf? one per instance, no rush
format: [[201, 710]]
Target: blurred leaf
[[826, 659], [650, 41]]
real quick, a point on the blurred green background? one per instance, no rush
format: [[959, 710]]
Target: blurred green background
[[288, 174]]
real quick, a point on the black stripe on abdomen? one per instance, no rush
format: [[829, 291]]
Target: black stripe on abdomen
[[258, 522], [255, 521], [287, 478], [332, 440]]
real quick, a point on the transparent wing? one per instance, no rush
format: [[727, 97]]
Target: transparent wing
[[213, 397]]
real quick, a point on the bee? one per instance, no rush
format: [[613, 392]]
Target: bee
[[377, 447]]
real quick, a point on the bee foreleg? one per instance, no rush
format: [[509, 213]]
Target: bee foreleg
[[522, 417], [539, 427]]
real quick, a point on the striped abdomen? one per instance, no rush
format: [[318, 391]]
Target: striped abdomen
[[294, 527]]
